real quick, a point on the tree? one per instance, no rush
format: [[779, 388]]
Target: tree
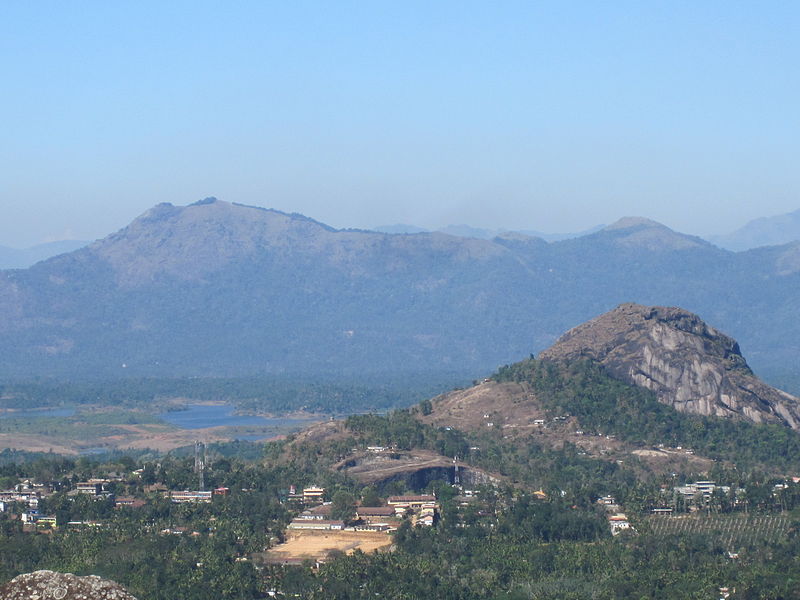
[[369, 497], [344, 506]]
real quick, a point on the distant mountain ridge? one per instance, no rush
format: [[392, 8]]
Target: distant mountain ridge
[[765, 231], [226, 289], [485, 234], [22, 258]]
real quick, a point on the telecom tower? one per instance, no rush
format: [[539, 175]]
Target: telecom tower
[[456, 478], [200, 462]]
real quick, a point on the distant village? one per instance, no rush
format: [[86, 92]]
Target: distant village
[[310, 503], [314, 511]]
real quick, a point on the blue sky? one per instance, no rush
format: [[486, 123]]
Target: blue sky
[[550, 116]]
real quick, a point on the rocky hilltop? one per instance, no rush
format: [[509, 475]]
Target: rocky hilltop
[[687, 363], [47, 585]]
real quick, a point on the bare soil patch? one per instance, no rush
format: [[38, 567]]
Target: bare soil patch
[[316, 545]]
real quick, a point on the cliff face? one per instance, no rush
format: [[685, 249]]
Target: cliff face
[[46, 585], [687, 363]]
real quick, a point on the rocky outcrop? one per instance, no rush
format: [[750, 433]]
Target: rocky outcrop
[[49, 585], [687, 363]]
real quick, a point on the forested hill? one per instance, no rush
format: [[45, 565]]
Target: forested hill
[[228, 290]]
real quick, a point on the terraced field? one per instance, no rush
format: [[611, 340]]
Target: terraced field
[[731, 531]]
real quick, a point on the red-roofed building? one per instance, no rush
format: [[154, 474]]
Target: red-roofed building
[[363, 512]]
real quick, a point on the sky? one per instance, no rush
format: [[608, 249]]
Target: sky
[[549, 116]]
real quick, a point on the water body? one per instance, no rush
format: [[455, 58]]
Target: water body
[[93, 451], [200, 416], [37, 414]]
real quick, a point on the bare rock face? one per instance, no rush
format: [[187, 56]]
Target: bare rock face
[[49, 585], [687, 363]]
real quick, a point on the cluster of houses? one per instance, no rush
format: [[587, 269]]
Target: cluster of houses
[[617, 521], [422, 509], [26, 492]]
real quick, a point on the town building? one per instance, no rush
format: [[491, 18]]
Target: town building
[[313, 494], [128, 501], [401, 504], [373, 512], [619, 523], [93, 487], [317, 513], [189, 496], [316, 524]]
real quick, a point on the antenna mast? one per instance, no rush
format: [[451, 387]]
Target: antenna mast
[[200, 462]]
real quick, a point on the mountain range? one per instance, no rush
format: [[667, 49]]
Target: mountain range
[[224, 289], [22, 258], [764, 231]]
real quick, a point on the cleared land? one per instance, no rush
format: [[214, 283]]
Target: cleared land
[[315, 545]]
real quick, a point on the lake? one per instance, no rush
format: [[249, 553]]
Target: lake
[[36, 414], [200, 416]]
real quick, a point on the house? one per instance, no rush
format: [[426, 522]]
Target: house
[[222, 491], [426, 520]]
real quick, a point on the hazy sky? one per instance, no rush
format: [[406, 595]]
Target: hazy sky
[[529, 115]]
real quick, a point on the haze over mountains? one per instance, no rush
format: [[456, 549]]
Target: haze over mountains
[[22, 258], [485, 234], [224, 289], [764, 231]]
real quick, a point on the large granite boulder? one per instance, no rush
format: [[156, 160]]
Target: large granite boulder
[[49, 585]]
